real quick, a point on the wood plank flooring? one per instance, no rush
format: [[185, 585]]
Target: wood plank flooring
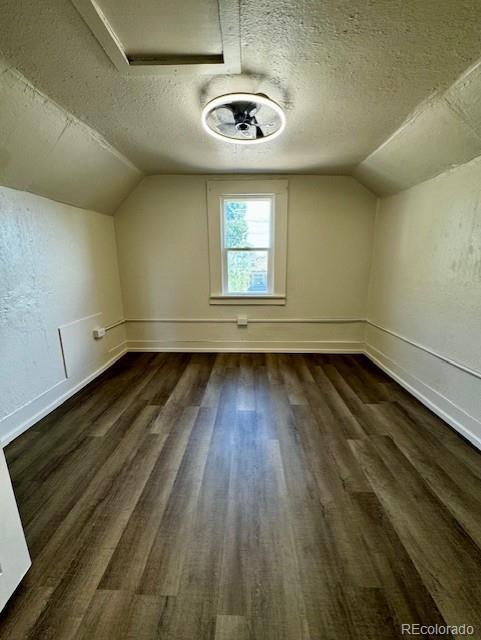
[[245, 497]]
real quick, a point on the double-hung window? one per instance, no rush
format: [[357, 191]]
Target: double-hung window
[[247, 241], [247, 247]]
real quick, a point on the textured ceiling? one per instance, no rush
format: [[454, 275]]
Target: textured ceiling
[[347, 72]]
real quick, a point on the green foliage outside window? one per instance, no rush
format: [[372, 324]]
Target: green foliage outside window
[[236, 236], [235, 224]]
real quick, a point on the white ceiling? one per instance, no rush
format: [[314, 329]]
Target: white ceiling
[[347, 72]]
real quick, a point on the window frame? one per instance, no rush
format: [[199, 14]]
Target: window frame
[[218, 191]]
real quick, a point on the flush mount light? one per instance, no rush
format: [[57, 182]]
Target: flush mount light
[[243, 118]]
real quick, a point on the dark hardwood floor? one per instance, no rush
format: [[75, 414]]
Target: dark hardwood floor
[[245, 497]]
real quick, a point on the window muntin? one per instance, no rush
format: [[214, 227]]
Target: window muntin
[[247, 245]]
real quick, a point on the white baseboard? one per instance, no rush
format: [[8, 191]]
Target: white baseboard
[[118, 351], [451, 413], [247, 346], [43, 404]]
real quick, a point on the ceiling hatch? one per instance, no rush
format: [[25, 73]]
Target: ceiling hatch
[[152, 37]]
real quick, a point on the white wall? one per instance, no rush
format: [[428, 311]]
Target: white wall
[[163, 256], [426, 287], [58, 264]]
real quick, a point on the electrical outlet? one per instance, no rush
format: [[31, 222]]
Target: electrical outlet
[[242, 321], [99, 333]]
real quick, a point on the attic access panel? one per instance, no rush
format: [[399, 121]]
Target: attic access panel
[[166, 36]]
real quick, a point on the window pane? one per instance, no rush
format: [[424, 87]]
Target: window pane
[[247, 272], [247, 223]]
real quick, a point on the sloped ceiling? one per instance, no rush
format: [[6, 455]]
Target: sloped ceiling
[[442, 133], [348, 74], [47, 151]]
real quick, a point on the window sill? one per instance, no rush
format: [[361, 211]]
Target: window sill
[[248, 300]]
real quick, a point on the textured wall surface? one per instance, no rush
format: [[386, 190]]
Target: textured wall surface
[[58, 264], [163, 252], [47, 151], [426, 286]]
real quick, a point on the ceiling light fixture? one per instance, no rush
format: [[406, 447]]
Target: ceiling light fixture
[[243, 118]]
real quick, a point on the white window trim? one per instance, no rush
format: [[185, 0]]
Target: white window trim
[[217, 190]]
